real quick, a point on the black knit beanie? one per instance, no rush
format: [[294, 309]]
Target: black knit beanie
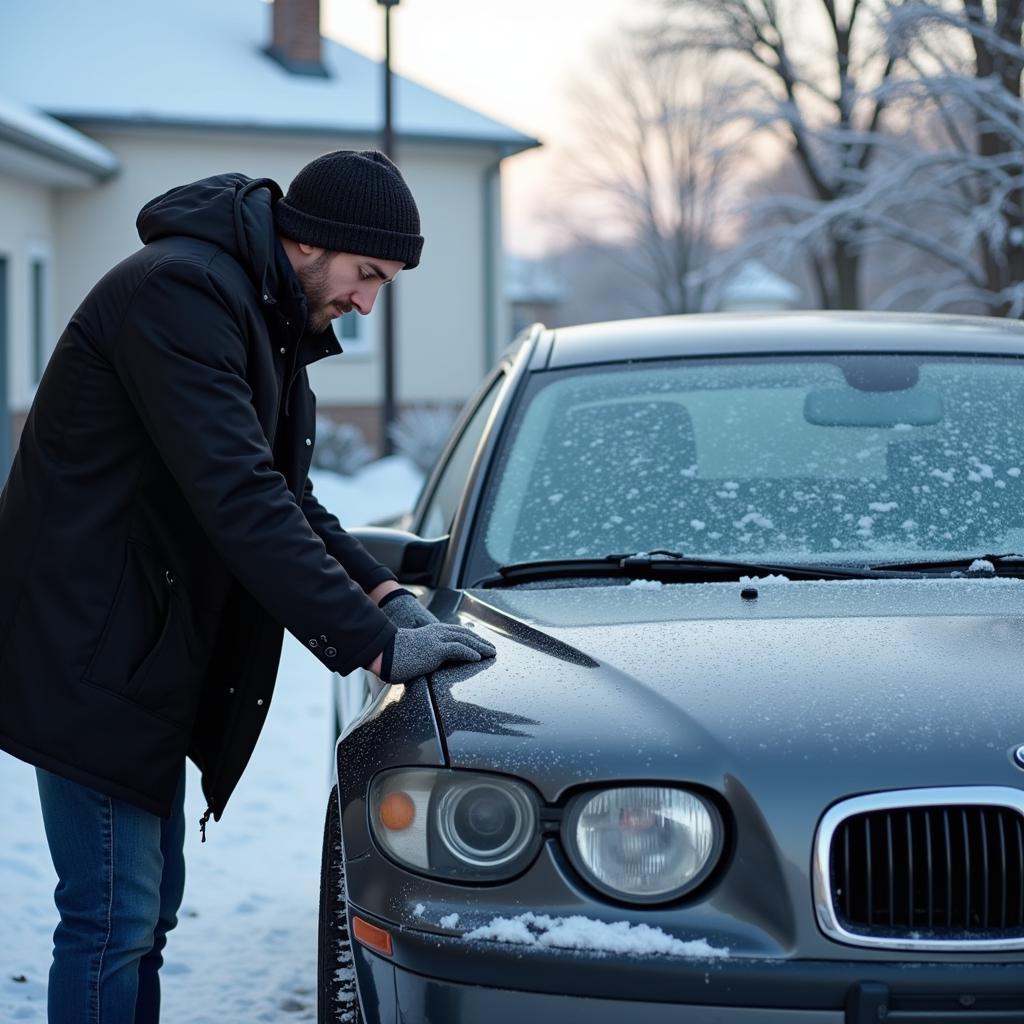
[[352, 202]]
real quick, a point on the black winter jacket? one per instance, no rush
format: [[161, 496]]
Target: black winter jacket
[[158, 529]]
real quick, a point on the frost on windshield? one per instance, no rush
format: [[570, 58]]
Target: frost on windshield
[[768, 459]]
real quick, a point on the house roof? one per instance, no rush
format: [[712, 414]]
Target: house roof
[[38, 147], [197, 63], [754, 281]]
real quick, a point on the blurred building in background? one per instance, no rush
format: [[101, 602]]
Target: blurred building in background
[[596, 281], [534, 292], [104, 106], [755, 288]]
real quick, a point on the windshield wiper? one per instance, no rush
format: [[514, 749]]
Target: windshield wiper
[[1009, 564], [671, 566]]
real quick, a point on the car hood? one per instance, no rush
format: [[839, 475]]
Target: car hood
[[829, 688]]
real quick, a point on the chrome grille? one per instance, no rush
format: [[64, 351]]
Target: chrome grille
[[940, 868]]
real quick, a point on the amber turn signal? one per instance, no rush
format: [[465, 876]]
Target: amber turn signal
[[371, 936], [397, 811]]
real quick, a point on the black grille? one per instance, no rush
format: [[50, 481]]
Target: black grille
[[937, 872]]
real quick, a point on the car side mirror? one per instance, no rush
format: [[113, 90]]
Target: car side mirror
[[410, 558]]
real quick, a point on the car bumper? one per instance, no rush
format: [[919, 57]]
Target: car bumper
[[435, 978], [430, 1000]]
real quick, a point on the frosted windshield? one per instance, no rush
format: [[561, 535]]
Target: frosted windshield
[[857, 457]]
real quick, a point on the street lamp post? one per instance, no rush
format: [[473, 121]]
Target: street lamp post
[[388, 147]]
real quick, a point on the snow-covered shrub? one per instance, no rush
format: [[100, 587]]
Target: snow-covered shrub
[[340, 447], [419, 433]]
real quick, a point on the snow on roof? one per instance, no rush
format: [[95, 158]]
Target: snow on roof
[[755, 281], [200, 63], [30, 130]]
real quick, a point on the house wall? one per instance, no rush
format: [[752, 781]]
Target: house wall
[[26, 232], [442, 309]]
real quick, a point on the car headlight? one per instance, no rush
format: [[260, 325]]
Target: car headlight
[[457, 825], [643, 844]]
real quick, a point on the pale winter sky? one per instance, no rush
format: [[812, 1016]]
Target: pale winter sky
[[510, 59]]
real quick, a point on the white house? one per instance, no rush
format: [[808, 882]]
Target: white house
[[105, 105], [754, 288], [39, 157]]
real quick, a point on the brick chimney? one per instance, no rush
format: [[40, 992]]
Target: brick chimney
[[295, 37]]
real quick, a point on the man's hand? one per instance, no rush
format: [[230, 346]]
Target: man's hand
[[418, 652], [402, 608]]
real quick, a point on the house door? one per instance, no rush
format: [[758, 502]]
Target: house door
[[5, 412]]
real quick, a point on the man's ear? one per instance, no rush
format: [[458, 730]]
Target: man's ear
[[309, 250]]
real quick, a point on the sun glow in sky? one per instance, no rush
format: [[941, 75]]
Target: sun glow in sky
[[510, 59]]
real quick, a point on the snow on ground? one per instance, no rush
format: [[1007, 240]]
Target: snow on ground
[[381, 490], [245, 945]]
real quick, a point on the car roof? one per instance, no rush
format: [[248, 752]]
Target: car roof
[[713, 334]]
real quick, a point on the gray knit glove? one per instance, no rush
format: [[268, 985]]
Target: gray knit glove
[[402, 608], [418, 652]]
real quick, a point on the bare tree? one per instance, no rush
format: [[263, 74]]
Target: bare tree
[[646, 163], [966, 59], [817, 91]]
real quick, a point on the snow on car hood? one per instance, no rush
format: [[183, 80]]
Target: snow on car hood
[[830, 687]]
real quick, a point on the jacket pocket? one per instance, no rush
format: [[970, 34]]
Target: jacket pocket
[[146, 652]]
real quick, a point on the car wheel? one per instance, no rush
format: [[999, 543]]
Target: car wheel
[[337, 1000]]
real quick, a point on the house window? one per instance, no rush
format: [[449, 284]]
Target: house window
[[349, 326], [5, 415], [38, 284], [353, 331]]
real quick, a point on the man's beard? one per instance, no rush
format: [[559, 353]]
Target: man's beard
[[313, 278]]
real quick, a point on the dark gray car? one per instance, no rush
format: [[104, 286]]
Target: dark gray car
[[753, 745]]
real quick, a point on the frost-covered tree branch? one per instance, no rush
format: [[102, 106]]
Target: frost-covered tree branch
[[967, 57], [824, 96], [908, 128]]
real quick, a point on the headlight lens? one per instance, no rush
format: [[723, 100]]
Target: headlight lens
[[455, 824], [484, 823], [644, 844]]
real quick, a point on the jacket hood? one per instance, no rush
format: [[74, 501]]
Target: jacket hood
[[231, 211]]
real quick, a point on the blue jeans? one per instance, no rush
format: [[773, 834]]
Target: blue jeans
[[121, 875]]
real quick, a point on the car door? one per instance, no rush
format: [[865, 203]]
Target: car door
[[433, 518]]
